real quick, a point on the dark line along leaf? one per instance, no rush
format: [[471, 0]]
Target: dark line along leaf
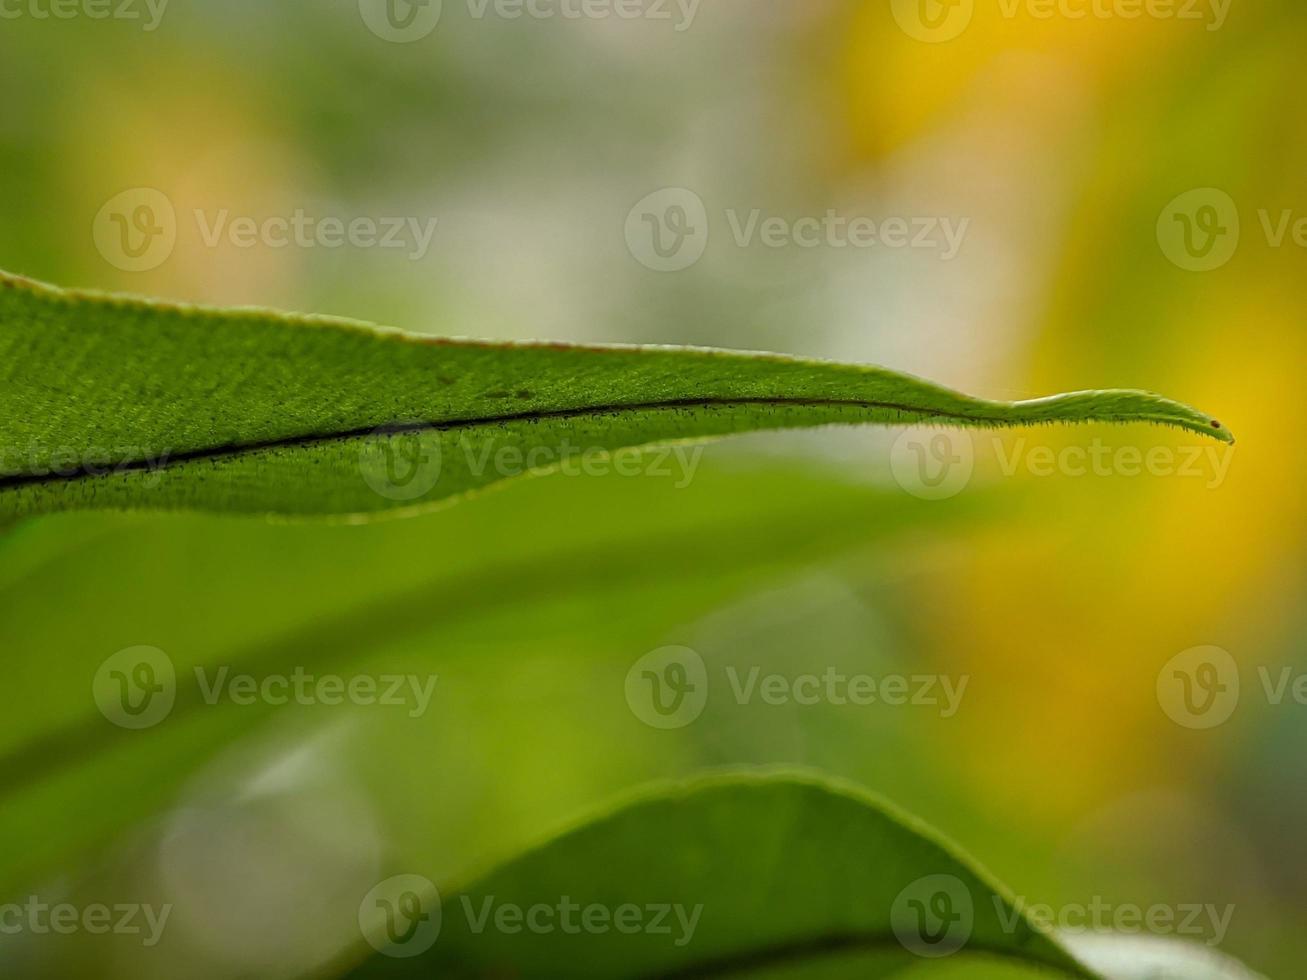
[[114, 402], [787, 872]]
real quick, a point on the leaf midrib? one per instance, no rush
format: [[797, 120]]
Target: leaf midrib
[[231, 450]]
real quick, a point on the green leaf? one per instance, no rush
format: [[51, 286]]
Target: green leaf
[[587, 575], [759, 871], [112, 402], [740, 874]]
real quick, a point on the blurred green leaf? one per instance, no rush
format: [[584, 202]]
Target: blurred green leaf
[[739, 874], [754, 871], [118, 403], [601, 568]]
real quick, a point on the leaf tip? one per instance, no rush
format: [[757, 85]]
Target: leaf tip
[[1222, 433]]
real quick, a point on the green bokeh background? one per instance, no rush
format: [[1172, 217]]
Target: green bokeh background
[[1061, 597]]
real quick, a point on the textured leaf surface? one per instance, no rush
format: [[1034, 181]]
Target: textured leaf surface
[[759, 872], [110, 402], [763, 874]]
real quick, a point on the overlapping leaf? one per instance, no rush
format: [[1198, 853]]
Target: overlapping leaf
[[736, 875], [109, 402]]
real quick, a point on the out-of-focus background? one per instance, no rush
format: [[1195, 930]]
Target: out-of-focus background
[[1007, 196]]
